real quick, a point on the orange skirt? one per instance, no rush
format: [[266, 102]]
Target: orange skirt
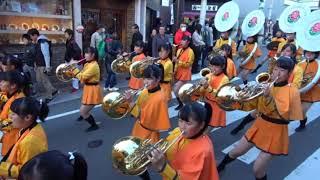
[[269, 137], [251, 65], [92, 95], [166, 88], [183, 74], [8, 140], [141, 132], [218, 115], [135, 83]]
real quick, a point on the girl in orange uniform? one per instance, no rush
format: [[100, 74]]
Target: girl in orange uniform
[[151, 108], [32, 139], [310, 68], [254, 52], [192, 156], [211, 85], [92, 92], [278, 106], [231, 69], [183, 64], [166, 63], [13, 84], [135, 83]]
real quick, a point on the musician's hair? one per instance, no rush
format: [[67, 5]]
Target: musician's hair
[[92, 50], [53, 165], [316, 54], [219, 61], [9, 60], [139, 44], [165, 47], [30, 106], [285, 63], [293, 48], [197, 112], [153, 71], [228, 49]]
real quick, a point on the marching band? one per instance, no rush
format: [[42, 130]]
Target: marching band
[[283, 94]]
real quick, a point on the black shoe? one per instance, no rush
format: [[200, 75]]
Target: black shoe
[[178, 107], [47, 100], [236, 130], [80, 118], [92, 128], [55, 93], [220, 168]]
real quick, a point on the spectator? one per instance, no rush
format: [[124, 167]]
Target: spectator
[[97, 42], [73, 52], [208, 39], [137, 36], [180, 33], [150, 41], [275, 28], [113, 48], [159, 40], [198, 45], [96, 37], [240, 38], [53, 165], [42, 63]]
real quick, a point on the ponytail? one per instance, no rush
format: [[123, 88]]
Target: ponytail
[[80, 168]]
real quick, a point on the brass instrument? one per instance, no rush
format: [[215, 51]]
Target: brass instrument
[[121, 64], [64, 70], [116, 106], [191, 92], [130, 154], [137, 68], [310, 79], [215, 52], [231, 93], [5, 124]]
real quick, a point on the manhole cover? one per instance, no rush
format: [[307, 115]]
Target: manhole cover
[[95, 143]]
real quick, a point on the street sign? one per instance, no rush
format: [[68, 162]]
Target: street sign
[[197, 7]]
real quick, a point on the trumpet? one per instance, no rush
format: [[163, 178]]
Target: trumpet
[[116, 106], [122, 64], [64, 70], [130, 154], [190, 92], [137, 68]]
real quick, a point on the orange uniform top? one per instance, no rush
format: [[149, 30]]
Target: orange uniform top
[[190, 159], [310, 69], [220, 42], [10, 135], [296, 76], [269, 132], [251, 64], [167, 76], [184, 64], [231, 69], [272, 53], [218, 116], [135, 83], [151, 111]]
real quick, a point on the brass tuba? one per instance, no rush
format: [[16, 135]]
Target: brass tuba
[[231, 93], [116, 106], [310, 79], [191, 92], [121, 64], [130, 154], [137, 68], [64, 70]]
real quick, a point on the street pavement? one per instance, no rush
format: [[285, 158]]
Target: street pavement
[[66, 134]]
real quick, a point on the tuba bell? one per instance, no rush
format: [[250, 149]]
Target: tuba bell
[[121, 64], [191, 92], [130, 154], [64, 70], [137, 68], [230, 93], [309, 81], [116, 106]]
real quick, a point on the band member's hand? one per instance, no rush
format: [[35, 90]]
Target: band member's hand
[[72, 61], [157, 159], [175, 59], [125, 54], [266, 89]]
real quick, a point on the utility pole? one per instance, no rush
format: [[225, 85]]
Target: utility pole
[[180, 9], [203, 12]]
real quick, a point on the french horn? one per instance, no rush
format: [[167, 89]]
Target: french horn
[[137, 68], [121, 64], [64, 70], [191, 92], [230, 93], [130, 154]]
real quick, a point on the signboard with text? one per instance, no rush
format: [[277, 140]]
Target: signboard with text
[[211, 8]]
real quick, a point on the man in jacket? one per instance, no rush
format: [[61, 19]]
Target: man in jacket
[[160, 39]]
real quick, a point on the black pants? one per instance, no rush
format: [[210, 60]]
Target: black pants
[[197, 57]]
